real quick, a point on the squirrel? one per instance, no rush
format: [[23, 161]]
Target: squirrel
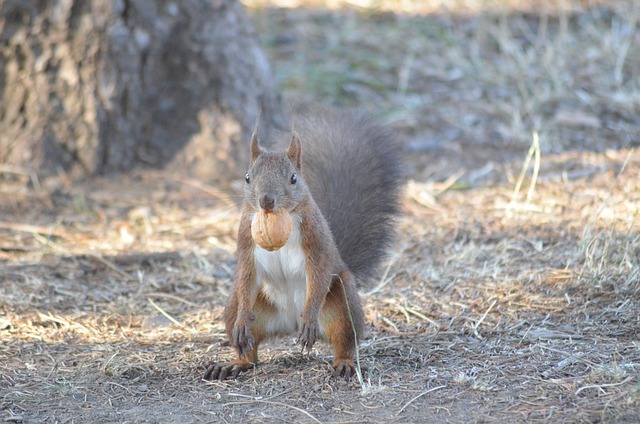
[[339, 179]]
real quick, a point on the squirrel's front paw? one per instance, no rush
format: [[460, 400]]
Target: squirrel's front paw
[[243, 340], [308, 335]]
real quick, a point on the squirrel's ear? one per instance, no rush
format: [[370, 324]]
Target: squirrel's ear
[[255, 146], [255, 143], [295, 150]]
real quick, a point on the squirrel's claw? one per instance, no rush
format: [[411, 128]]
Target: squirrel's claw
[[308, 336]]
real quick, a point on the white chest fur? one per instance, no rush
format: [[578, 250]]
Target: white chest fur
[[282, 275]]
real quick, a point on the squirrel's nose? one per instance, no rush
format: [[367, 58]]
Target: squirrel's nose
[[267, 202]]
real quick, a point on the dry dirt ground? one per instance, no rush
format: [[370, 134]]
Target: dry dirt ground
[[511, 295]]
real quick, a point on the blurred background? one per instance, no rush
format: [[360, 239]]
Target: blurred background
[[468, 79]]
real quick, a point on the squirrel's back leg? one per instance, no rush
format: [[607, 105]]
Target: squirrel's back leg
[[337, 322], [262, 312]]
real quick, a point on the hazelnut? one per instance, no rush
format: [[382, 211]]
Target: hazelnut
[[271, 230]]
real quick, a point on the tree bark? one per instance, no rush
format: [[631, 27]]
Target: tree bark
[[95, 86]]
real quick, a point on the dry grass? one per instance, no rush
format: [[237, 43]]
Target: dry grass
[[500, 305]]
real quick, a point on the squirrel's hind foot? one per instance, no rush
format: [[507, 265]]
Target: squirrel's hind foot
[[346, 368], [226, 370]]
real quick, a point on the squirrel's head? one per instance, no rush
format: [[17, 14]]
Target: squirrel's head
[[274, 179]]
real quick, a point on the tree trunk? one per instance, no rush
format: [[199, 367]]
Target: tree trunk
[[95, 86]]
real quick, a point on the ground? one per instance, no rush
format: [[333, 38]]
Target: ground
[[512, 292]]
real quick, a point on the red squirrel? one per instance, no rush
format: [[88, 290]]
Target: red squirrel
[[339, 179]]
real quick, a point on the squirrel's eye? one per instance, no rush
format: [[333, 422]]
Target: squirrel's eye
[[247, 178], [294, 178]]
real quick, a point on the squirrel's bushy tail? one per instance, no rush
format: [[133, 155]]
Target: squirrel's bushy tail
[[352, 168]]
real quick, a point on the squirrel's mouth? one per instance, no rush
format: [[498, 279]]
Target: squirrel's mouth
[[274, 211]]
